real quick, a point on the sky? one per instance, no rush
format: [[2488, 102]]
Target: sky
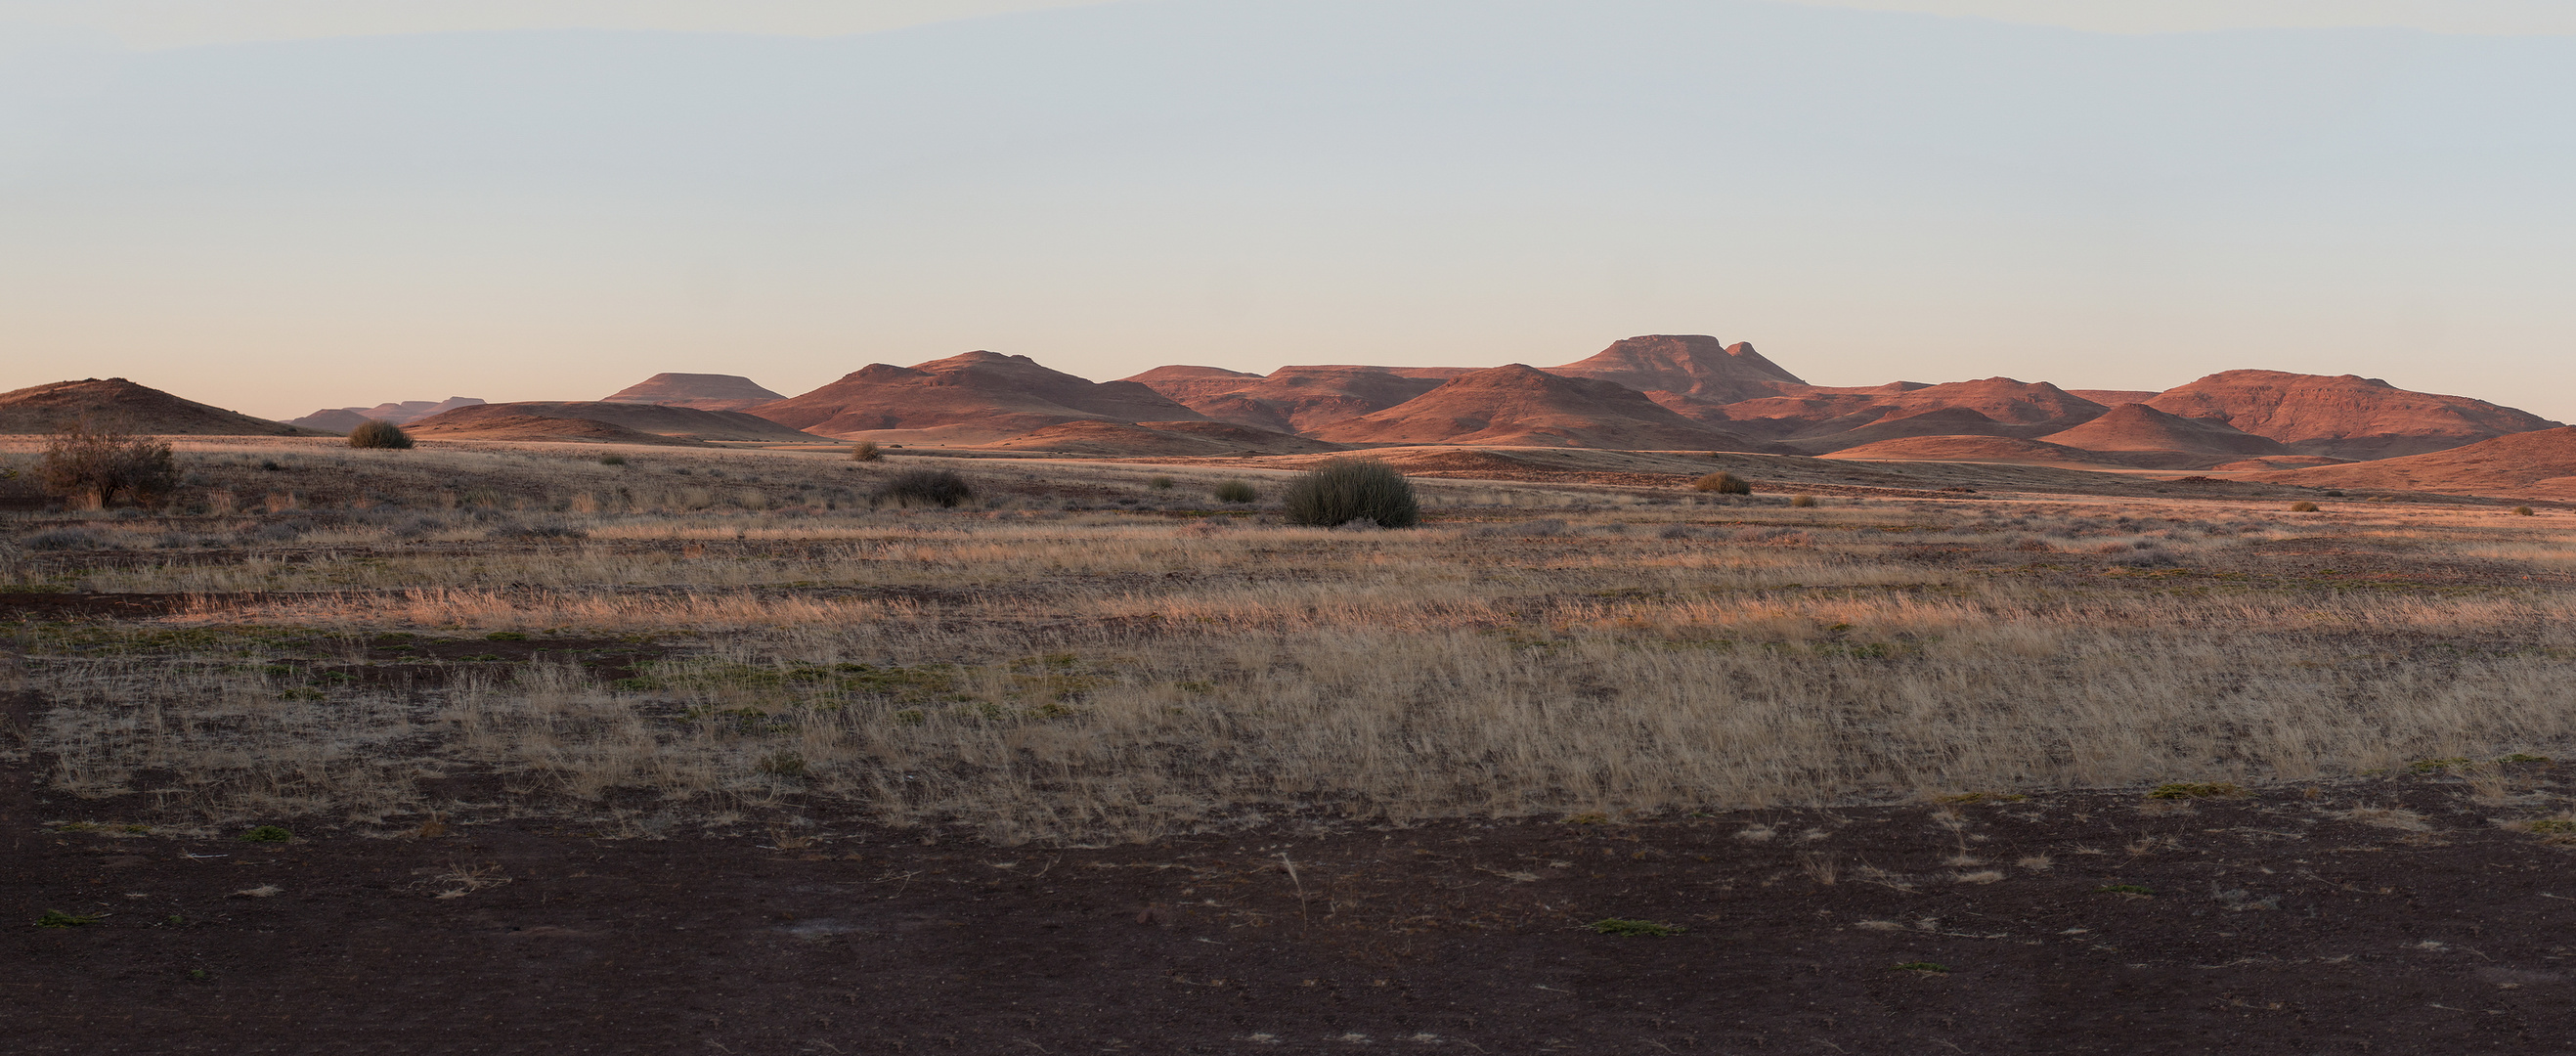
[[283, 205]]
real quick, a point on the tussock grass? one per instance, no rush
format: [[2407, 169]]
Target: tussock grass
[[1042, 674]]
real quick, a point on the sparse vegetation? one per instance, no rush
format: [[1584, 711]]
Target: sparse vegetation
[[866, 451], [1236, 491], [1160, 483], [1346, 490], [1723, 484], [2523, 511], [926, 487], [1802, 501], [1926, 967], [97, 467], [2124, 889], [268, 834], [382, 436], [2197, 790], [2303, 506], [52, 918], [612, 460], [1623, 926]]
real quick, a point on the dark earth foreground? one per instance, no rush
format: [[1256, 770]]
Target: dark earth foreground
[[2287, 921]]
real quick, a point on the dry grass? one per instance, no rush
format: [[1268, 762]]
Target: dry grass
[[1115, 672]]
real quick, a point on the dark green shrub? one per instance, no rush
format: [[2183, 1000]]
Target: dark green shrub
[[612, 460], [1621, 926], [1343, 490], [866, 451], [1237, 491], [1160, 483], [268, 834], [98, 466], [384, 436], [1723, 484], [926, 487]]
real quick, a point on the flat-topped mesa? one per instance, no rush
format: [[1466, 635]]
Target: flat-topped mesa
[[118, 405], [2345, 416], [1694, 366], [1519, 405], [977, 397], [706, 392]]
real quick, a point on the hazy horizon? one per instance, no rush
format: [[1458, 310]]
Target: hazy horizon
[[283, 207]]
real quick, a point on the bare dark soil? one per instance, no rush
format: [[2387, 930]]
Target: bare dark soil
[[2280, 923]]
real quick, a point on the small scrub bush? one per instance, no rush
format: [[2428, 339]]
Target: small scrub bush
[[2435, 766], [2196, 790], [2523, 511], [2303, 506], [506, 636], [1802, 501], [384, 436], [99, 466], [1160, 483], [268, 834], [2553, 826], [866, 451], [612, 460], [1623, 926], [1723, 484], [1344, 490], [1236, 491], [926, 487], [2522, 757], [55, 918], [783, 764]]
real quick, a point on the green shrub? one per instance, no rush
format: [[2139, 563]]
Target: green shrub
[[55, 918], [2303, 506], [98, 465], [866, 451], [612, 460], [1723, 484], [1344, 490], [2197, 790], [381, 435], [926, 487], [1237, 491], [268, 834]]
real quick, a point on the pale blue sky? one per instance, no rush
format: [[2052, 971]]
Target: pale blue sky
[[286, 205]]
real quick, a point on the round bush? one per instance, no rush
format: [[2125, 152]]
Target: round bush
[[926, 487], [1236, 491], [1802, 501], [1343, 490], [381, 435], [1723, 484], [2303, 506], [866, 451]]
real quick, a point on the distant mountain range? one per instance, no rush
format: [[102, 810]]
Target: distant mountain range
[[1655, 392]]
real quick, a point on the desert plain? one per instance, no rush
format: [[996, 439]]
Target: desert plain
[[485, 745]]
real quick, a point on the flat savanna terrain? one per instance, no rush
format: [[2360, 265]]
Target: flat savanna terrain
[[500, 749]]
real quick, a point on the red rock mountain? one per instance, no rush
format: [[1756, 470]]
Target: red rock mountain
[[1094, 437], [2144, 436], [1946, 421], [343, 419], [2344, 416], [973, 398], [1693, 366], [706, 392], [656, 419], [1290, 399], [530, 428], [1816, 413], [1973, 449], [119, 405], [2532, 465], [1519, 405]]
